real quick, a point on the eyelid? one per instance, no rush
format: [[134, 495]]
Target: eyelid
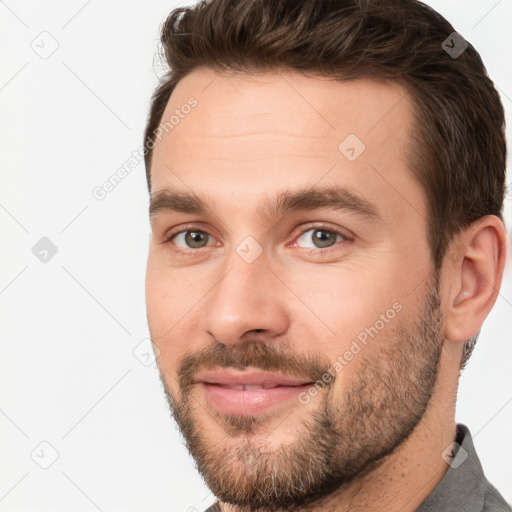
[[324, 227], [168, 235]]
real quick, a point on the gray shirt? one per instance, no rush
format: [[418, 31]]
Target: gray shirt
[[464, 487]]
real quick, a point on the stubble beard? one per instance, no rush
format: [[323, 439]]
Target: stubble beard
[[339, 441]]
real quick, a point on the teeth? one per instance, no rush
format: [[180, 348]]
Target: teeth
[[245, 387]]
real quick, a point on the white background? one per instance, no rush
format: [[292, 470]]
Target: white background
[[69, 326]]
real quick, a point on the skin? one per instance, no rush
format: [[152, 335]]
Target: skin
[[251, 137]]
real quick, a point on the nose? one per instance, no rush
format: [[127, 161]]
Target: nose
[[248, 297]]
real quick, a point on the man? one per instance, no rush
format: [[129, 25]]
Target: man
[[327, 183]]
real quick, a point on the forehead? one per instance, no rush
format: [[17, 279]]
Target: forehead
[[251, 133]]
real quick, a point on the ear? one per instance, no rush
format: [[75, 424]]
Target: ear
[[475, 263]]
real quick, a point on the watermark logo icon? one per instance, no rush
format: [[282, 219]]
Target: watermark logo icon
[[454, 45], [44, 250], [44, 455], [457, 253], [454, 455], [249, 249], [146, 352], [44, 45], [351, 147]]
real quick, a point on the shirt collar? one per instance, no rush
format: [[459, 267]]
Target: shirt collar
[[462, 488]]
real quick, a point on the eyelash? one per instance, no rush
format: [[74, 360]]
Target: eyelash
[[319, 227]]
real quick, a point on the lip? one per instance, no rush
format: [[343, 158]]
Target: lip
[[219, 389], [251, 378]]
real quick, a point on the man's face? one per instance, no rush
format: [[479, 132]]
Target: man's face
[[246, 294]]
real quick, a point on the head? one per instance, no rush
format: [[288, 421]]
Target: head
[[282, 121]]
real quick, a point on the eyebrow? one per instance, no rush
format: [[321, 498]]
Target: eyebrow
[[306, 199]]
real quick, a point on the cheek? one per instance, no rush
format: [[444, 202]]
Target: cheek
[[172, 315], [163, 311], [342, 302], [167, 293], [158, 301]]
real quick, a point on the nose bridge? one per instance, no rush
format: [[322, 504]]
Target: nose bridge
[[246, 297]]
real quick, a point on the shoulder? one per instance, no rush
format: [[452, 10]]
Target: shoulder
[[494, 501]]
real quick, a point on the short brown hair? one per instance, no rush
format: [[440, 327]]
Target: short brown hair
[[459, 147]]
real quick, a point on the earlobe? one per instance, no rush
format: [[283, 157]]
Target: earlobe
[[475, 276]]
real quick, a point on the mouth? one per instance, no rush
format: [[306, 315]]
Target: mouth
[[249, 393], [247, 387]]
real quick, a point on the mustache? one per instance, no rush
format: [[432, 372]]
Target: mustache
[[253, 354]]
